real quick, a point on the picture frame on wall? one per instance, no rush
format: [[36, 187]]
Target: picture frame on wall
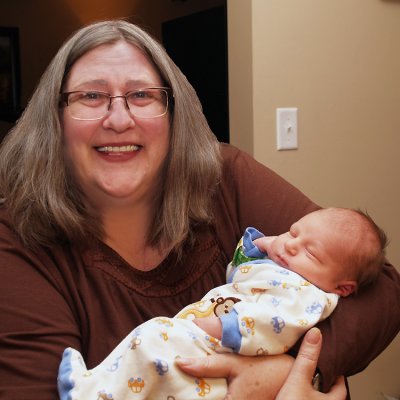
[[9, 74]]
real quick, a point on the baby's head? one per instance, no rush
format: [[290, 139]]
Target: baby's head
[[359, 241], [337, 249]]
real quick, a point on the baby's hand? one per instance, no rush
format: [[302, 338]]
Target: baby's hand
[[264, 243], [212, 325]]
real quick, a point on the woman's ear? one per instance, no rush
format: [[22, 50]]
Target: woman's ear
[[345, 288]]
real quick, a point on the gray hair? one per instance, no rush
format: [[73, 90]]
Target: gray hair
[[44, 201]]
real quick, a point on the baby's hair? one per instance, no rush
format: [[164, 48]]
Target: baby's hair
[[368, 241]]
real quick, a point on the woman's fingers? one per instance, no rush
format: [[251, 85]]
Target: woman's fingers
[[251, 376], [256, 378], [298, 383], [307, 358], [208, 367]]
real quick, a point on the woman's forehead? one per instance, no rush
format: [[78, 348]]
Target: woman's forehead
[[114, 61]]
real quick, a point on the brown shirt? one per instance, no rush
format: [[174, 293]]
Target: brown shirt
[[90, 300]]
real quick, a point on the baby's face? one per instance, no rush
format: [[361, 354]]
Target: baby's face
[[311, 249]]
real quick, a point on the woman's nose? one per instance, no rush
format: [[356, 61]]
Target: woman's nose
[[119, 117]]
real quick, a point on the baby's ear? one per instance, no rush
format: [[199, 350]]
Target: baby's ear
[[345, 288]]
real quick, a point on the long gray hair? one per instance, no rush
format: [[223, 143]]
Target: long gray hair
[[45, 202]]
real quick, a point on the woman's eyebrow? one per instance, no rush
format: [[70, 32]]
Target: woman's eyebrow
[[137, 83], [140, 83], [98, 82]]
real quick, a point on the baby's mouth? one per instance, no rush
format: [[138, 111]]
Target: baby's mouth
[[281, 260]]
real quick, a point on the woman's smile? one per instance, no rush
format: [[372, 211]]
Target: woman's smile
[[118, 149], [118, 152]]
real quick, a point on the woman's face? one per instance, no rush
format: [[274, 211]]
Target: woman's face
[[117, 159]]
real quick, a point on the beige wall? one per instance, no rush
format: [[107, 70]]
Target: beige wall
[[339, 63]]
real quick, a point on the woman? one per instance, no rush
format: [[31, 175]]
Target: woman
[[120, 205]]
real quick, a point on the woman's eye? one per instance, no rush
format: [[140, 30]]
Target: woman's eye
[[91, 99], [93, 96], [140, 95], [141, 98]]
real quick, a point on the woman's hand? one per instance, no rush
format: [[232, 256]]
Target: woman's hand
[[298, 383], [255, 378], [267, 378]]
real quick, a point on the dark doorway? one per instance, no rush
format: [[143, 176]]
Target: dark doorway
[[198, 44]]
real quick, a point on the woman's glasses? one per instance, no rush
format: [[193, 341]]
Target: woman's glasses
[[92, 105]]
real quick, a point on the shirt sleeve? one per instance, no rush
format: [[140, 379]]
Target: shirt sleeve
[[36, 322], [361, 327]]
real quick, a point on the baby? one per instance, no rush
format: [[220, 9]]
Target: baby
[[277, 288]]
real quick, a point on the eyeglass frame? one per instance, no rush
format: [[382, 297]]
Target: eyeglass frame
[[64, 97]]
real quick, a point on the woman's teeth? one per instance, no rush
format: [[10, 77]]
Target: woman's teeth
[[118, 149]]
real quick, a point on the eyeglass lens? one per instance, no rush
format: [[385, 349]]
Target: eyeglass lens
[[146, 103]]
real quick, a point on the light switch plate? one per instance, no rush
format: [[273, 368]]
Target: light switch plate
[[286, 128]]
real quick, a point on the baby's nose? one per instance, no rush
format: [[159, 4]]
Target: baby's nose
[[291, 246]]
